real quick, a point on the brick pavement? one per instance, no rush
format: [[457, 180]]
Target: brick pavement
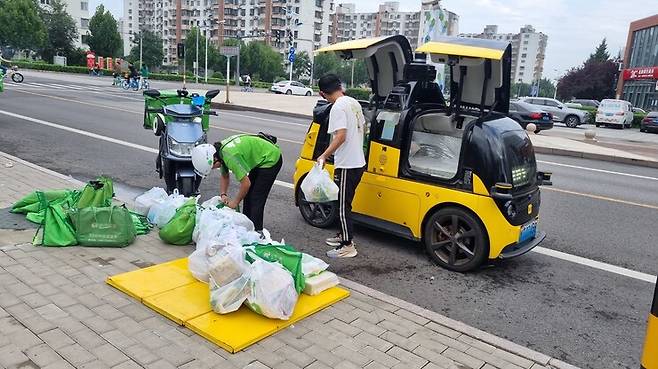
[[57, 312]]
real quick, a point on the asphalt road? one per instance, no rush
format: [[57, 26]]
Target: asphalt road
[[605, 212]]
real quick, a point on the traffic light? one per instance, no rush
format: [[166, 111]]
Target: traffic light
[[290, 38], [278, 37], [180, 51]]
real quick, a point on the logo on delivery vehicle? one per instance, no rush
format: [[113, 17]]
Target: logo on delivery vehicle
[[641, 73]]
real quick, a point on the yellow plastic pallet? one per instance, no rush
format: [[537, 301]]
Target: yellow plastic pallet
[[172, 291]]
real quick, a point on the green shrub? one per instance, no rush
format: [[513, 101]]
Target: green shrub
[[591, 118], [358, 93], [218, 75], [637, 119]]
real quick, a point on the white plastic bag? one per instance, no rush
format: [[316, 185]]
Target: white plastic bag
[[198, 264], [161, 213], [272, 291], [229, 279], [318, 186], [211, 202], [312, 266], [149, 198]]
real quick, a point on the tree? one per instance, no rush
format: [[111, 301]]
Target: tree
[[325, 63], [601, 53], [61, 31], [261, 61], [546, 88], [104, 38], [190, 52], [22, 27], [302, 66], [152, 52], [590, 81]]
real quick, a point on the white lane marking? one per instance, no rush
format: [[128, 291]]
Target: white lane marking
[[557, 254], [265, 119], [42, 85], [597, 170], [81, 132], [74, 87], [596, 264], [597, 197]]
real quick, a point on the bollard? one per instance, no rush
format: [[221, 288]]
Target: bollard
[[531, 127], [650, 355]]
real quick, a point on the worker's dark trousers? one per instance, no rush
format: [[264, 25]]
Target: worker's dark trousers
[[262, 180], [347, 181]]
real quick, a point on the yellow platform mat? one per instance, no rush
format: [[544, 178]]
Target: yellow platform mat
[[171, 290]]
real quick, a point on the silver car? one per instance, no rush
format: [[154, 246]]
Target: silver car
[[561, 113]]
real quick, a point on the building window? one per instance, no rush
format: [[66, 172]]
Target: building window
[[84, 23], [524, 55], [525, 42], [84, 5]]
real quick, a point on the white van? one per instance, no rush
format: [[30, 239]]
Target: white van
[[615, 113]]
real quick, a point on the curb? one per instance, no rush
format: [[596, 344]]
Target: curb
[[455, 325], [585, 155]]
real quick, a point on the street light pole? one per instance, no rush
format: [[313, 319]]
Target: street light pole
[[196, 64], [205, 73], [352, 81], [141, 38]]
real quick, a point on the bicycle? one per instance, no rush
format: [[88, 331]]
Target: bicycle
[[16, 76], [144, 83], [247, 88], [131, 83], [118, 80]]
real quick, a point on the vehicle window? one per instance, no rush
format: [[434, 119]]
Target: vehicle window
[[435, 146], [550, 103], [513, 106], [297, 84], [653, 114], [612, 106]]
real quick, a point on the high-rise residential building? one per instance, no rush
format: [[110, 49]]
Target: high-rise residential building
[[79, 11], [528, 51], [264, 20], [348, 24]]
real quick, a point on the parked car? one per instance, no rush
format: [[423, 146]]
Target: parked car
[[617, 113], [291, 88], [638, 111], [584, 102], [525, 114], [650, 122], [573, 105], [463, 181], [561, 113]]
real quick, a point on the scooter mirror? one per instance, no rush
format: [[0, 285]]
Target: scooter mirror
[[212, 94], [152, 93]]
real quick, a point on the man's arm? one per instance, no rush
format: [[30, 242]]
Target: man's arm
[[245, 184], [338, 140], [224, 181]]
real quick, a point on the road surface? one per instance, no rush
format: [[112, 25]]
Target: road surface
[[582, 298]]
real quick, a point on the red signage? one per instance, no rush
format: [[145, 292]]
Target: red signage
[[641, 73]]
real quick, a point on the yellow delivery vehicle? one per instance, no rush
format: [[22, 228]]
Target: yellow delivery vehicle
[[456, 174]]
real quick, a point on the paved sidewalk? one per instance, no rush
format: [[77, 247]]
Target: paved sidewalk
[[57, 312]]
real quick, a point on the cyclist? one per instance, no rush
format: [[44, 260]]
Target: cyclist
[[133, 72], [4, 69], [96, 71], [144, 75], [117, 71]]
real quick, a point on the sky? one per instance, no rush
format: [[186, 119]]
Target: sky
[[574, 27]]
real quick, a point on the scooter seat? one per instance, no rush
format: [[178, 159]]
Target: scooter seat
[[183, 111]]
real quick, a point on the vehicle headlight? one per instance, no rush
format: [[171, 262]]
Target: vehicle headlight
[[180, 149], [520, 176], [197, 120]]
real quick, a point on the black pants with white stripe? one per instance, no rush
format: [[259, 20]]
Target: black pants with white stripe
[[347, 181]]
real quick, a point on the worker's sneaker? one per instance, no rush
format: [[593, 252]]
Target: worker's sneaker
[[346, 251], [334, 241]]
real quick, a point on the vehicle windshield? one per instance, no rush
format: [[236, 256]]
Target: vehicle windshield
[[612, 106]]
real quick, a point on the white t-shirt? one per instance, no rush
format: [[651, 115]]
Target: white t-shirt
[[348, 114]]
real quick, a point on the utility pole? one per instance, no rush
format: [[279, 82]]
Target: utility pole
[[205, 73], [353, 63], [196, 63], [141, 38]]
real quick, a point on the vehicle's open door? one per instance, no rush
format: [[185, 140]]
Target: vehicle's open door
[[385, 59], [480, 71]]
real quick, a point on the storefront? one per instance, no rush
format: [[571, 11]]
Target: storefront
[[638, 83]]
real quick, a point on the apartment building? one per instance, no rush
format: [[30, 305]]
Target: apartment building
[[528, 50], [79, 11], [348, 24], [221, 19]]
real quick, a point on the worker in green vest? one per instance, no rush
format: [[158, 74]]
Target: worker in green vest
[[254, 160]]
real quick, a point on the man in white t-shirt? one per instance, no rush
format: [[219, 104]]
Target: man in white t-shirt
[[347, 124]]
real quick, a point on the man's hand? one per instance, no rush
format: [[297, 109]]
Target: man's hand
[[232, 204], [321, 160], [225, 199]]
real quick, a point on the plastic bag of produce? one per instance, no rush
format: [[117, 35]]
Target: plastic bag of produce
[[161, 213], [312, 266], [318, 186], [272, 290], [285, 255], [229, 279], [149, 198], [178, 231]]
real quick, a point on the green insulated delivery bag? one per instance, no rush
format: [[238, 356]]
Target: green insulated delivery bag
[[285, 255], [110, 226], [55, 229], [178, 231], [97, 193]]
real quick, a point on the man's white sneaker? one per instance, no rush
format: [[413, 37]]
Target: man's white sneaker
[[347, 251], [334, 241]]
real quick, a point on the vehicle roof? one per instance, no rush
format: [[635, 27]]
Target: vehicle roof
[[615, 101], [463, 46]]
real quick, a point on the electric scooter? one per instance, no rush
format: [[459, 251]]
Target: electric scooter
[[180, 128]]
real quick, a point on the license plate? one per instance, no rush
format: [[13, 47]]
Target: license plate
[[608, 114], [544, 118], [528, 231], [655, 121]]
